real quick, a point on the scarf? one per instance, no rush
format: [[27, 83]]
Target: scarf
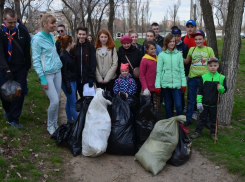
[[147, 56], [10, 38]]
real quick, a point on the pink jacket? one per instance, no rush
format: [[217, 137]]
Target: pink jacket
[[148, 68]]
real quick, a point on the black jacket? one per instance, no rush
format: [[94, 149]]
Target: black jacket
[[141, 49], [159, 40], [183, 48], [68, 70], [133, 54], [58, 48], [18, 59], [88, 69]]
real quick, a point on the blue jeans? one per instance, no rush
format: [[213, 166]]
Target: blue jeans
[[71, 112], [172, 97], [191, 96]]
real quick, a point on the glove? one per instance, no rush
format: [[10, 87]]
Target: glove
[[146, 92], [90, 83], [9, 76], [200, 107], [157, 90], [183, 89]]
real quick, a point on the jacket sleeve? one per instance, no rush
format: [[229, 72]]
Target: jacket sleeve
[[64, 72], [223, 88], [114, 65], [200, 91], [119, 63], [116, 87], [92, 63], [57, 44], [159, 71], [185, 51], [182, 70], [142, 74], [27, 50], [3, 62], [132, 88], [36, 57]]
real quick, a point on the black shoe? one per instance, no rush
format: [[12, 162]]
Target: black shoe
[[196, 135], [187, 123], [207, 125]]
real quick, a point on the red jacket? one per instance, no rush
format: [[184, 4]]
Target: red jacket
[[148, 68], [191, 41]]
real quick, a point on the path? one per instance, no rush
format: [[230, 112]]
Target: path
[[109, 168]]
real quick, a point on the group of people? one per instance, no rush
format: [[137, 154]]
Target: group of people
[[161, 68]]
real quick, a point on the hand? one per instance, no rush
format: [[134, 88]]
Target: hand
[[200, 107], [146, 92], [183, 89], [101, 82], [126, 95], [45, 87], [9, 76], [218, 86], [118, 93], [68, 90], [90, 83], [157, 90]]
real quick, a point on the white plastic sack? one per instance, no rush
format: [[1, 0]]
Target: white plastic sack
[[97, 126]]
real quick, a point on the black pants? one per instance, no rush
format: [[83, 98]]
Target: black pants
[[108, 86], [14, 109], [211, 112]]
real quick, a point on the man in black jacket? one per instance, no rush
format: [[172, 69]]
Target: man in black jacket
[[15, 61], [158, 38], [62, 32]]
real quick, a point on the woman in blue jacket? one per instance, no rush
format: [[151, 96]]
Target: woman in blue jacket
[[47, 64]]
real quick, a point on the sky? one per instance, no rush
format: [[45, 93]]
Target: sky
[[158, 8]]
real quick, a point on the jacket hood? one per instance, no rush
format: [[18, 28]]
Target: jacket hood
[[146, 56], [175, 51], [129, 76]]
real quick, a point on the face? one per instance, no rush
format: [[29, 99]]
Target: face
[[81, 35], [177, 38], [103, 39], [190, 29], [149, 36], [89, 38], [199, 40], [151, 50], [213, 67], [50, 27], [171, 44], [61, 31], [124, 73], [134, 37], [10, 22], [126, 45], [71, 45], [155, 29]]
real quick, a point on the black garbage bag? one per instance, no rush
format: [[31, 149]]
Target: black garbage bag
[[145, 120], [62, 133], [182, 151], [79, 104], [11, 91], [122, 137], [74, 140]]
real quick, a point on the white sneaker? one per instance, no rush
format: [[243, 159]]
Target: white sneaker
[[56, 126], [194, 115], [51, 130]]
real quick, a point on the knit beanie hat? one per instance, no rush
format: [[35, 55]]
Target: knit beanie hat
[[126, 39], [124, 67]]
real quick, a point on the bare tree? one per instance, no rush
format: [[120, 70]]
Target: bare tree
[[173, 11], [111, 17], [2, 2], [230, 58], [221, 13], [124, 17], [130, 13], [137, 13]]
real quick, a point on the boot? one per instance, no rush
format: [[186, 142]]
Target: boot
[[196, 135]]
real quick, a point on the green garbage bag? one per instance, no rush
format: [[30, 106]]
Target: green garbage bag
[[158, 148]]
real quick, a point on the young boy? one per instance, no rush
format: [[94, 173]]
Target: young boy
[[207, 96], [198, 56]]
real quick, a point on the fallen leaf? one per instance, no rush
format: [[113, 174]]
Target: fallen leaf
[[56, 170], [12, 166], [36, 155], [216, 167], [18, 174], [30, 150], [45, 176]]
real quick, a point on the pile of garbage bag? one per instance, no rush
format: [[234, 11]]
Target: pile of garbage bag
[[11, 91]]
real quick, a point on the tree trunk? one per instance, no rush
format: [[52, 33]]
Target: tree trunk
[[17, 9], [111, 17], [209, 25], [230, 58], [1, 10]]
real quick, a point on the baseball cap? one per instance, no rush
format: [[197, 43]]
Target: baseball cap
[[191, 22], [176, 31], [213, 59], [199, 32]]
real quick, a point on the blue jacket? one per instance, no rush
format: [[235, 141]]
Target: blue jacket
[[44, 55], [125, 85]]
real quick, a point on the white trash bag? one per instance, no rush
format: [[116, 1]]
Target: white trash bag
[[97, 126]]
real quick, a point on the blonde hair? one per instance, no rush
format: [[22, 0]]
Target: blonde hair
[[46, 18]]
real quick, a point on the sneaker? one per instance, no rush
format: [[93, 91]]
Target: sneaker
[[196, 135], [51, 130], [187, 123], [194, 115], [5, 115], [163, 104], [185, 129], [16, 125], [213, 137]]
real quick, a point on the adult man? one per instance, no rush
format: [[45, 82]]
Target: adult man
[[15, 61], [158, 38], [61, 31]]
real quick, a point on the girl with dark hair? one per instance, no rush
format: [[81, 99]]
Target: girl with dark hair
[[147, 77], [90, 39], [69, 76], [170, 79], [84, 53], [106, 59], [134, 36]]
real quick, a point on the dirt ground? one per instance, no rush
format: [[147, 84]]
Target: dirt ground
[[109, 168]]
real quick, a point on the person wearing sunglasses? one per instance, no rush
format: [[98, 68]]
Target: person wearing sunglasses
[[61, 30]]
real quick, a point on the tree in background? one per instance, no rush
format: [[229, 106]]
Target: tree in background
[[173, 11], [2, 2]]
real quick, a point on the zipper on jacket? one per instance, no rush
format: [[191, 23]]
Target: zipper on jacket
[[211, 88], [172, 72]]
